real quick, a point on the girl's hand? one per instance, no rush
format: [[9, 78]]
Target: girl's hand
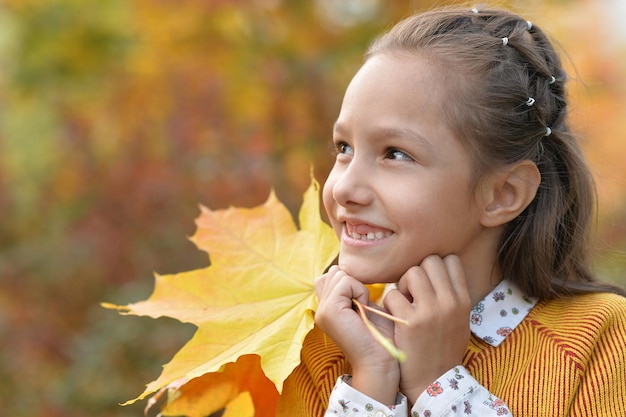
[[434, 299], [374, 372]]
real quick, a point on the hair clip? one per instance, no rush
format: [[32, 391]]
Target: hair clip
[[530, 101], [505, 41], [552, 80], [548, 131], [530, 24]]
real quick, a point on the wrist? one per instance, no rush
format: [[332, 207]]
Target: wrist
[[377, 382], [412, 394]]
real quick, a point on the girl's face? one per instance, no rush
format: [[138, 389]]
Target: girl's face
[[400, 189]]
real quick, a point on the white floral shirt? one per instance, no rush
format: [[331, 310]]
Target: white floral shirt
[[456, 392]]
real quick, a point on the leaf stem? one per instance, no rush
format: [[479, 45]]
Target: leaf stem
[[384, 341], [382, 313]]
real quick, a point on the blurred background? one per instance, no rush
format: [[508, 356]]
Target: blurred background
[[119, 117]]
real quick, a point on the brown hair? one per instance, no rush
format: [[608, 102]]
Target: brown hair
[[499, 62]]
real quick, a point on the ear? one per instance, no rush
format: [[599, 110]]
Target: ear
[[506, 193]]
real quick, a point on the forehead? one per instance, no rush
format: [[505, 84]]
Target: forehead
[[396, 92], [405, 82], [396, 73]]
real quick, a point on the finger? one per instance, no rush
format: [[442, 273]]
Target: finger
[[415, 283], [414, 288], [359, 292], [335, 292], [320, 282], [319, 285], [457, 278], [340, 285], [397, 304], [439, 276]]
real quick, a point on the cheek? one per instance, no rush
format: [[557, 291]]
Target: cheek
[[327, 197]]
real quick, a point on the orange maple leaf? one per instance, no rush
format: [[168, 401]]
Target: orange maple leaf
[[240, 388], [256, 298]]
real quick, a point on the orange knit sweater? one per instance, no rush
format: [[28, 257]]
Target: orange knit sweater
[[567, 358]]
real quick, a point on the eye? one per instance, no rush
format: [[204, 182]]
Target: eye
[[343, 148], [398, 155]]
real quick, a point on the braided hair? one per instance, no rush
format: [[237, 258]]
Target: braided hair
[[506, 101]]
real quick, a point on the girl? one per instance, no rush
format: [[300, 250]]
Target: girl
[[457, 179]]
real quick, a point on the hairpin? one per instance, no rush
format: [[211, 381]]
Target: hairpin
[[530, 24], [474, 10], [530, 101], [548, 131], [505, 41], [552, 80]]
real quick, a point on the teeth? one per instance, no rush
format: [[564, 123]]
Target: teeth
[[368, 236]]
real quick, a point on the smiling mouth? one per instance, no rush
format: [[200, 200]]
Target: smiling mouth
[[366, 232]]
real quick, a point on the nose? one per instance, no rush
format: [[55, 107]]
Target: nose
[[351, 185]]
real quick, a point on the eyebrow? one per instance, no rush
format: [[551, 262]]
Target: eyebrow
[[338, 128], [390, 132]]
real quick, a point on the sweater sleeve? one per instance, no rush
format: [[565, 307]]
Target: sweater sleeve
[[602, 391]]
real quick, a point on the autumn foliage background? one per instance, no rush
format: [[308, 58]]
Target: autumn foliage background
[[119, 117]]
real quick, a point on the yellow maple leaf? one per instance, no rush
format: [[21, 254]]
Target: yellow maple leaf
[[256, 297]]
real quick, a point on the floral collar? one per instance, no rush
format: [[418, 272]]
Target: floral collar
[[500, 312]]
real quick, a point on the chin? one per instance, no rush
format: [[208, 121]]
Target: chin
[[366, 274]]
